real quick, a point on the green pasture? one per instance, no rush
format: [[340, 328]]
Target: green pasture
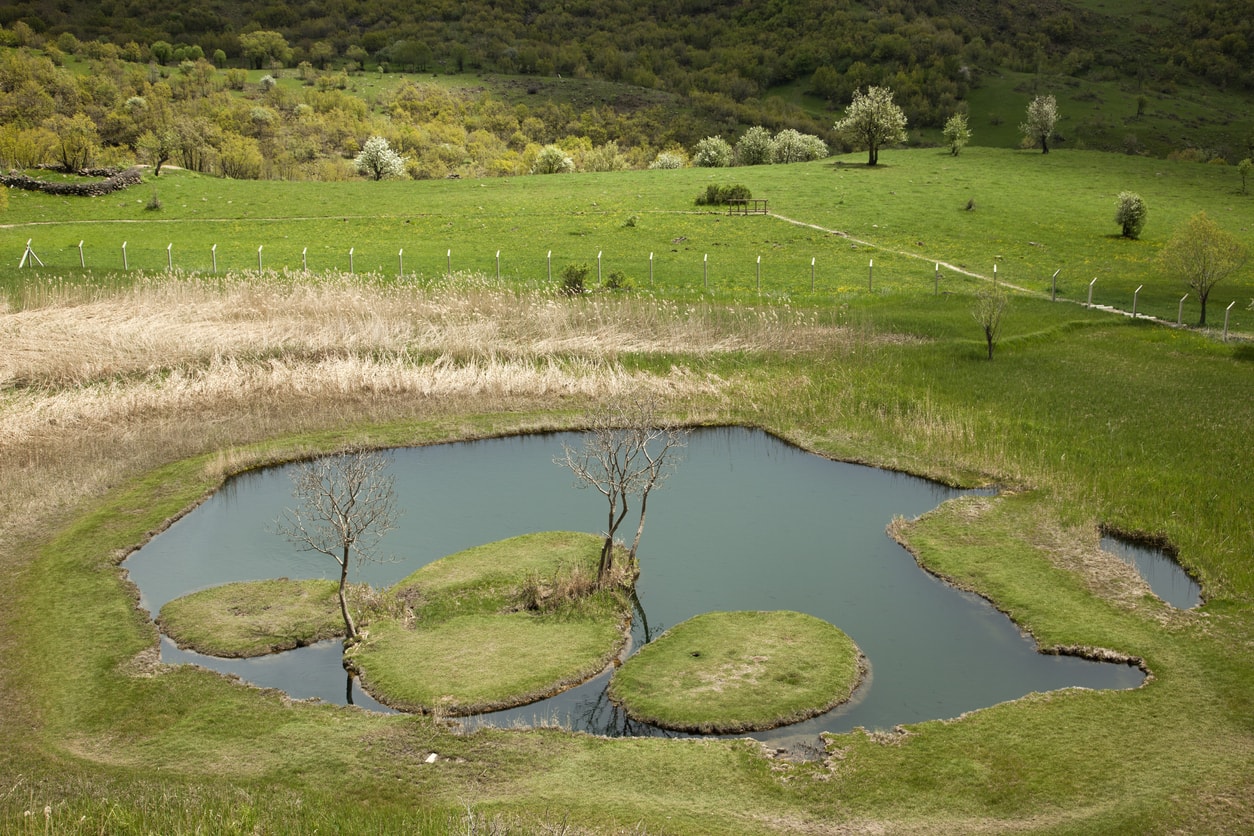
[[1031, 215], [1102, 115]]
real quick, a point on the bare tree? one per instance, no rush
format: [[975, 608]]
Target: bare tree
[[345, 505], [628, 451], [987, 311]]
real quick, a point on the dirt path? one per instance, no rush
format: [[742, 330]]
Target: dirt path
[[956, 269]]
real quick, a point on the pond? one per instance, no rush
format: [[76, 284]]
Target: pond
[[746, 523], [1166, 578]]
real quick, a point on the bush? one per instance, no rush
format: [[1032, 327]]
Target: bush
[[1130, 213], [716, 195], [575, 279], [617, 280]]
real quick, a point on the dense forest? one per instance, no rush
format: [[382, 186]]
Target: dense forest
[[173, 81]]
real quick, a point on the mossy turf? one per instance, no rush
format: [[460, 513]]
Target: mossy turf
[[727, 672], [458, 640], [253, 618]]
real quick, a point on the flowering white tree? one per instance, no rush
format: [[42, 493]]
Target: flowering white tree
[[377, 160], [667, 160], [754, 147], [712, 152], [552, 160], [872, 120], [1042, 117], [957, 133], [792, 146]]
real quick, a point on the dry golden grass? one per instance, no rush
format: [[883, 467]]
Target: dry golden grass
[[100, 382]]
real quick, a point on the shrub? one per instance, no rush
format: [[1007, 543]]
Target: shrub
[[716, 195], [1130, 213], [617, 280], [574, 279]]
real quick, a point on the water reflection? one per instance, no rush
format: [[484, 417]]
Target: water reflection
[[746, 523]]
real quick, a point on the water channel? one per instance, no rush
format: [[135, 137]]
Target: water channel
[[747, 522]]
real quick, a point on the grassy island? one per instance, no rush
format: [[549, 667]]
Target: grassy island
[[727, 672], [253, 618], [493, 627]]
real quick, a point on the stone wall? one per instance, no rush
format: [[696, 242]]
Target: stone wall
[[116, 182]]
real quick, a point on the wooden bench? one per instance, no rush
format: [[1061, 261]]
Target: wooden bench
[[746, 206]]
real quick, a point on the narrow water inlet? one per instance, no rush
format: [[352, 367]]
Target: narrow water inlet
[[1166, 578]]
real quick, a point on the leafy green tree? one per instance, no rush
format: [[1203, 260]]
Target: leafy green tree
[[872, 120], [1244, 168], [1203, 255], [957, 133], [157, 147], [1130, 213], [754, 147], [263, 48], [240, 157], [378, 161], [161, 51], [1042, 118], [78, 140], [712, 152]]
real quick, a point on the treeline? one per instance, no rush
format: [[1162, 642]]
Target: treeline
[[314, 124], [725, 55]]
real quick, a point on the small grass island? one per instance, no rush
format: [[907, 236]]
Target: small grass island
[[731, 672], [253, 618], [494, 627]]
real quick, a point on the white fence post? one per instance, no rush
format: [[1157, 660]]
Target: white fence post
[[1227, 311], [169, 257], [81, 261], [214, 252], [125, 264], [1135, 294], [1090, 302]]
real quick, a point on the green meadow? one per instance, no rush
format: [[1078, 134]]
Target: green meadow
[[1085, 419], [1031, 215]]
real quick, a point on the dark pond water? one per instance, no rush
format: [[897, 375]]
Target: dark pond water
[[1166, 578], [747, 523]]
